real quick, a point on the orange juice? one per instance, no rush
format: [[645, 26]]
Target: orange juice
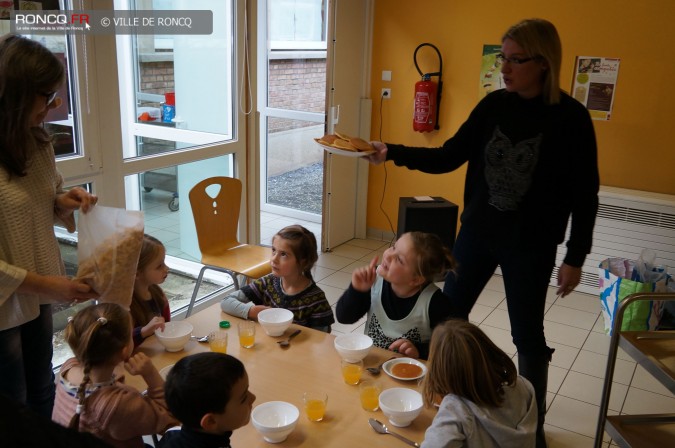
[[246, 340], [218, 345], [246, 333], [370, 397], [315, 409], [218, 341], [351, 373]]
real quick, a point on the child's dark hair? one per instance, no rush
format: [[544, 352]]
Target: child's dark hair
[[463, 361], [303, 245], [141, 312], [97, 334], [434, 259], [27, 70], [200, 384]]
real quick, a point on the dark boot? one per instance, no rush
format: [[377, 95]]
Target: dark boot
[[535, 369]]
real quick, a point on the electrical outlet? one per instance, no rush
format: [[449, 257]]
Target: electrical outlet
[[386, 93]]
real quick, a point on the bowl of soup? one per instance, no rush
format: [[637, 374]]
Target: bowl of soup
[[405, 369]]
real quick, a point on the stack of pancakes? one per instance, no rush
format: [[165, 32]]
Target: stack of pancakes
[[345, 142]]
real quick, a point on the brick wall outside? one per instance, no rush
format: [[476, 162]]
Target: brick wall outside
[[296, 84]]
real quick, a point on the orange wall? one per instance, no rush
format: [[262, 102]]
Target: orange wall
[[635, 147]]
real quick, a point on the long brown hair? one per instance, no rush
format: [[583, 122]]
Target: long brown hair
[[27, 70], [303, 245], [97, 334], [141, 313], [463, 361]]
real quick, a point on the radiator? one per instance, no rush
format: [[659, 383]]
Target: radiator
[[627, 222]]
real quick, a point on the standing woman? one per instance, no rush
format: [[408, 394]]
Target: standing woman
[[32, 200], [532, 163]]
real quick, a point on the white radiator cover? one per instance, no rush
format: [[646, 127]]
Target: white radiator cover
[[627, 222]]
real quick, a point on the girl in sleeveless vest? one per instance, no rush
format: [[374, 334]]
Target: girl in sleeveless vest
[[149, 306], [399, 296], [89, 396]]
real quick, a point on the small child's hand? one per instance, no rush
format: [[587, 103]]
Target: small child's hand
[[155, 323], [255, 310], [405, 347], [364, 278], [140, 364]]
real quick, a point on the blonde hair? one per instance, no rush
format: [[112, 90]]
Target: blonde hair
[[96, 335], [141, 313], [433, 258], [539, 38], [463, 361]]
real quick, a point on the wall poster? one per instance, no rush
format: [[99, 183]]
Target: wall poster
[[490, 71], [595, 84]]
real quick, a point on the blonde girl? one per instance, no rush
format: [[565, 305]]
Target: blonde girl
[[149, 306], [399, 296], [290, 285], [482, 400], [89, 396]]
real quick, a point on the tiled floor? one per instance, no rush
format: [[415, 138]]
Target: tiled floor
[[573, 326]]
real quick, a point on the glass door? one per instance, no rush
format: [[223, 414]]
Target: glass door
[[292, 97]]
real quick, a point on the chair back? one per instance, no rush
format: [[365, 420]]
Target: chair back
[[216, 219]]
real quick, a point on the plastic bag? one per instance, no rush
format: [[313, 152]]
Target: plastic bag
[[620, 278], [109, 244]]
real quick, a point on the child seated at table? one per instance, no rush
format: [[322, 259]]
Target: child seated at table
[[399, 296], [149, 306], [208, 392], [482, 400], [290, 285], [89, 397]]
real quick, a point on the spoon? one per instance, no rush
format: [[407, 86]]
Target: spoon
[[378, 426], [201, 338], [376, 370], [287, 342]]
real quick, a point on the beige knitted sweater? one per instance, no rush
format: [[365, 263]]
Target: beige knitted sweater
[[27, 241]]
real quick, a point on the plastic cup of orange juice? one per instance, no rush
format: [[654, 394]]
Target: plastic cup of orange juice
[[246, 333], [369, 393], [351, 371], [218, 341], [315, 405]]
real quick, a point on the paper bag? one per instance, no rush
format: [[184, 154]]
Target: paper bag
[[109, 244]]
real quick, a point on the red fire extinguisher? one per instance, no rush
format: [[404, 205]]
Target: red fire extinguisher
[[427, 96], [424, 118]]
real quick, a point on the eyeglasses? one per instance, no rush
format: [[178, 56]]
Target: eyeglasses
[[517, 61], [51, 96]]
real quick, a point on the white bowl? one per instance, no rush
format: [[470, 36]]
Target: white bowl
[[275, 420], [175, 335], [275, 320], [165, 371], [353, 347], [401, 405]]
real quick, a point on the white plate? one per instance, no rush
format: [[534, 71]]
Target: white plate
[[165, 371], [387, 366], [344, 152]]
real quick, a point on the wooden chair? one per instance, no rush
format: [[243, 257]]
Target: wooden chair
[[216, 220]]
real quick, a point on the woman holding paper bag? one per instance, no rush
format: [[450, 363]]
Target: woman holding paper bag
[[32, 198], [532, 165]]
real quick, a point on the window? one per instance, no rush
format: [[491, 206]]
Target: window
[[297, 25]]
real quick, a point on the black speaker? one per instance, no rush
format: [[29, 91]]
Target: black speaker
[[437, 216]]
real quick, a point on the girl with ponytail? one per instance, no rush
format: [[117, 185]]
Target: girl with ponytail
[[89, 395]]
